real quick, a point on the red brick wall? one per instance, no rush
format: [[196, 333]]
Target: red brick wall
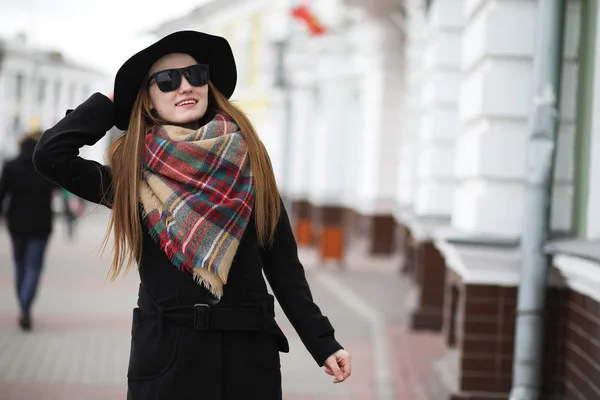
[[430, 276], [582, 350], [487, 338], [482, 328]]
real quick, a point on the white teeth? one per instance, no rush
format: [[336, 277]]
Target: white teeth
[[186, 102]]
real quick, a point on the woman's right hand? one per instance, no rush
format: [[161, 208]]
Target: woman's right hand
[[111, 95]]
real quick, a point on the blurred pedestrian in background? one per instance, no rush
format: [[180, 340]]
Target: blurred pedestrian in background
[[71, 211], [28, 214], [195, 203]]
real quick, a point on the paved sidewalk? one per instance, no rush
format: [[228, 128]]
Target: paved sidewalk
[[80, 344], [376, 291]]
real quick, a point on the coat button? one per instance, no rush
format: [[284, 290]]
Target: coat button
[[211, 299]]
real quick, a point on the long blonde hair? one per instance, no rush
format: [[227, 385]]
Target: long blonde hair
[[126, 155]]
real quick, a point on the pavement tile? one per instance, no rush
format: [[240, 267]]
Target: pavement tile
[[412, 356], [59, 391]]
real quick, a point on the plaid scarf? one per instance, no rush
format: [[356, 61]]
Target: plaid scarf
[[197, 195]]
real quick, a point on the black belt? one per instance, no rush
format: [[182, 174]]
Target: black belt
[[256, 316], [205, 317]]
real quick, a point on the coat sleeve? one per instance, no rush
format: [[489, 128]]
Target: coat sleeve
[[286, 276], [56, 155]]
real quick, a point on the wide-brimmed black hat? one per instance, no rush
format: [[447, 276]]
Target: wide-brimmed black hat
[[206, 49]]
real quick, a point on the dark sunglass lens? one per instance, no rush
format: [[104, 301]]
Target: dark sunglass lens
[[197, 75], [167, 81]]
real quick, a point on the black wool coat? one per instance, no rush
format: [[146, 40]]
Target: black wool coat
[[173, 361]]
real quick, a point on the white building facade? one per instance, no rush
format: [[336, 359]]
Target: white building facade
[[416, 113], [36, 88], [345, 96]]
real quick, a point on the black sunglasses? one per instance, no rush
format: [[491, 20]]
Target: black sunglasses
[[170, 79]]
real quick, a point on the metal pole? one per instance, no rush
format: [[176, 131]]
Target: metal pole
[[541, 145]]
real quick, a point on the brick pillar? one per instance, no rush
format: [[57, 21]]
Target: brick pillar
[[410, 258], [328, 164], [328, 229], [382, 235], [401, 243], [373, 185], [431, 275], [479, 328], [302, 222]]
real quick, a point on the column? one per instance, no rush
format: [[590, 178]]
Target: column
[[326, 136], [494, 107], [411, 106], [495, 100], [303, 108], [379, 46], [440, 125]]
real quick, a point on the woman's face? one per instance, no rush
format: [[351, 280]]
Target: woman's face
[[183, 106]]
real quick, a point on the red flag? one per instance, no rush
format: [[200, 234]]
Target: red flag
[[302, 13]]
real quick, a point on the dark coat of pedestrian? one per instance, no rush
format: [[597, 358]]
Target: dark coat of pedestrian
[[26, 200], [195, 205]]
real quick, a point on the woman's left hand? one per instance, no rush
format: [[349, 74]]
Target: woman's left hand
[[339, 365]]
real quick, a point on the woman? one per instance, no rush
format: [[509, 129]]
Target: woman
[[195, 205], [29, 217]]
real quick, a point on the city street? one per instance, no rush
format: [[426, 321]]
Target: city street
[[79, 347]]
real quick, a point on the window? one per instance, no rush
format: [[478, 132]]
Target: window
[[41, 91], [57, 88], [255, 50], [242, 47], [19, 87], [16, 128], [85, 92], [72, 91], [428, 4]]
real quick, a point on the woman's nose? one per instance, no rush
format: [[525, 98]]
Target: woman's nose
[[185, 85]]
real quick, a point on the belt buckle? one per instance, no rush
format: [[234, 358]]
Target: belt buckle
[[201, 316]]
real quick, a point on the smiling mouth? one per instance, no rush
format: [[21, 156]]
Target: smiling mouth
[[186, 103]]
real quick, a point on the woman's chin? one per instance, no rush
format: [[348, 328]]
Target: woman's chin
[[189, 116]]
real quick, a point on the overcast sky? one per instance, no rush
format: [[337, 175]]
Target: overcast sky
[[102, 34]]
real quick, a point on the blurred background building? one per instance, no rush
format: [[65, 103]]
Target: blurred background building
[[37, 86], [322, 83]]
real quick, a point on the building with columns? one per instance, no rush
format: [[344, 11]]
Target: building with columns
[[37, 86], [402, 131], [345, 100], [461, 191], [409, 131]]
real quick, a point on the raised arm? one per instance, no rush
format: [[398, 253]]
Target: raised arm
[[286, 276], [57, 154]]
